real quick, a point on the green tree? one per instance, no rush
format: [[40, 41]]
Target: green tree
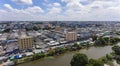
[[94, 37], [79, 60], [51, 52], [93, 62], [28, 28], [59, 50], [36, 28], [114, 40], [117, 57], [109, 57], [116, 49], [7, 30], [76, 47], [38, 56], [100, 41]]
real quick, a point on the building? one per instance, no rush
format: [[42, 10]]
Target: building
[[71, 36], [57, 28], [48, 25], [25, 42]]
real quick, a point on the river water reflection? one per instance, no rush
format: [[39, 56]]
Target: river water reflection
[[64, 60]]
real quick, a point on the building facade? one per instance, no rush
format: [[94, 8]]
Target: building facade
[[71, 36], [25, 43]]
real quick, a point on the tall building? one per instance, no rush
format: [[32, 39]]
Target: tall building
[[25, 42], [71, 36]]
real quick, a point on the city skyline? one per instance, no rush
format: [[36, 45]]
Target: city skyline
[[59, 10]]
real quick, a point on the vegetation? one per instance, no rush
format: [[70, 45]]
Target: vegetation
[[56, 51], [36, 28], [106, 59], [116, 54], [47, 28], [93, 62], [79, 60], [109, 57], [82, 60], [28, 29], [94, 37], [106, 40], [76, 47], [38, 56], [7, 30], [116, 50]]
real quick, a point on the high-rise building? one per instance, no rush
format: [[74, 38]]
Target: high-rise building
[[71, 36], [25, 42]]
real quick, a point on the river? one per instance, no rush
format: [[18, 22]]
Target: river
[[64, 60]]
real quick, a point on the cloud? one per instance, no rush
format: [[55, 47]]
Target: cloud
[[73, 5], [11, 13], [23, 2], [54, 10], [7, 6], [74, 10], [95, 10], [34, 9], [56, 4]]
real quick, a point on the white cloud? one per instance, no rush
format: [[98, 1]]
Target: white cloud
[[73, 10], [23, 2], [34, 9], [74, 5], [49, 5], [54, 10], [56, 4], [96, 10], [10, 13], [7, 6]]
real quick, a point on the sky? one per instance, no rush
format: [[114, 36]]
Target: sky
[[59, 10]]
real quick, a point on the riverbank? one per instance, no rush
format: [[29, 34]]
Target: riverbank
[[59, 51], [51, 53], [64, 59]]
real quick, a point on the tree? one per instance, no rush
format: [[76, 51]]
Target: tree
[[38, 56], [100, 41], [76, 47], [28, 28], [93, 62], [109, 57], [36, 28], [79, 60], [7, 30], [51, 52], [116, 49], [94, 37], [114, 40], [59, 50], [117, 57]]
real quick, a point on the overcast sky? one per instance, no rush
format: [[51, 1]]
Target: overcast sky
[[59, 10]]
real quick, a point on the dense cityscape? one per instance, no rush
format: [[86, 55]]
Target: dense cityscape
[[59, 32], [20, 40]]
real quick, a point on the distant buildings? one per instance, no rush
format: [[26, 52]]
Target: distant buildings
[[25, 42], [50, 25], [71, 36]]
